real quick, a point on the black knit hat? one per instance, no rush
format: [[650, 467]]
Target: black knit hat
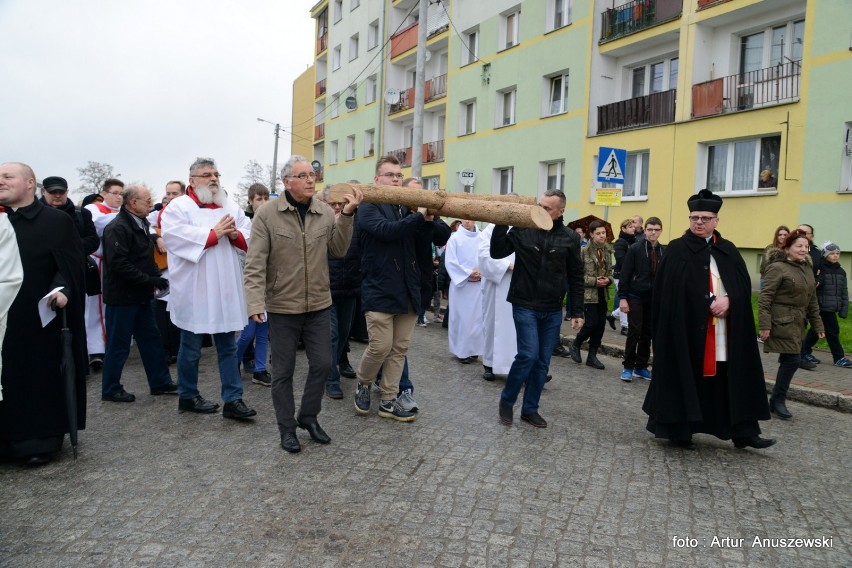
[[704, 200]]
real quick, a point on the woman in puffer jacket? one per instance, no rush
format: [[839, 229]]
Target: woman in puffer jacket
[[787, 301], [833, 298]]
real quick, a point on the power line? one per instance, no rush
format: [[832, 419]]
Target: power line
[[463, 42]]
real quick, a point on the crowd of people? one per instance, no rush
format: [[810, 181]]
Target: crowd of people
[[301, 270]]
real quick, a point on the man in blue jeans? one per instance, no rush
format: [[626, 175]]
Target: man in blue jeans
[[546, 262]]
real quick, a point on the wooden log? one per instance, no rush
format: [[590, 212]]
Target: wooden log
[[458, 205], [525, 199]]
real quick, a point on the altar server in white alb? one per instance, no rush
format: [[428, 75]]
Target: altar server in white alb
[[102, 213], [498, 327], [203, 231], [465, 298], [11, 276]]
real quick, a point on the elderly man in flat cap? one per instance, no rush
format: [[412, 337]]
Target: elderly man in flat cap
[[707, 376]]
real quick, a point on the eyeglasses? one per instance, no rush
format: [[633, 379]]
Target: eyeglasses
[[115, 193], [208, 175], [696, 218], [392, 176], [303, 176]]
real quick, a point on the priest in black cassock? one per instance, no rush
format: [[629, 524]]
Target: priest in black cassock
[[708, 376], [33, 416]]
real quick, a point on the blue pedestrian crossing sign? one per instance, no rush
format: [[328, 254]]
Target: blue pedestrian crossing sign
[[611, 164]]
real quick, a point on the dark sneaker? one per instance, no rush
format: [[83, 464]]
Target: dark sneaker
[[506, 414], [811, 359], [392, 409], [560, 351], [406, 400], [261, 378], [362, 399], [333, 390], [807, 365], [346, 370], [120, 396], [168, 388], [534, 419], [487, 373], [238, 410], [843, 362]]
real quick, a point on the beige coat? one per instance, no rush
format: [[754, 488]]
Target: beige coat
[[787, 302], [287, 263]]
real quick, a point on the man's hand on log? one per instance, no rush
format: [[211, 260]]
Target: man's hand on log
[[353, 200], [426, 214]]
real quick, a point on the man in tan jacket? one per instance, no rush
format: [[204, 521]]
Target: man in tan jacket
[[286, 276]]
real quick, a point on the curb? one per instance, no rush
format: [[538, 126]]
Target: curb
[[807, 395]]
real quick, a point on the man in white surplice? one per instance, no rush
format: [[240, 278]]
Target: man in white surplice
[[11, 276], [498, 326], [465, 299], [203, 230]]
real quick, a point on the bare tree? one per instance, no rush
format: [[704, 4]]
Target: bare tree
[[255, 172], [93, 175]]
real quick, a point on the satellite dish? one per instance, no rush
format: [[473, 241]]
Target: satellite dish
[[428, 55], [351, 103], [392, 96], [316, 165]]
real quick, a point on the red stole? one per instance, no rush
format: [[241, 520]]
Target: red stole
[[709, 368], [105, 210]]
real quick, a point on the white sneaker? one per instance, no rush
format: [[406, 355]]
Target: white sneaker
[[406, 401]]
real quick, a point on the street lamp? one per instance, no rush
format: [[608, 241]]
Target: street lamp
[[277, 126]]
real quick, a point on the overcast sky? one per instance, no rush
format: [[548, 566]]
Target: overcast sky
[[147, 86]]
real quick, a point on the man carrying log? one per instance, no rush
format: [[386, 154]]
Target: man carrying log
[[546, 263]]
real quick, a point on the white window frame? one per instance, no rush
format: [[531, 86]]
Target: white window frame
[[353, 47], [504, 97], [554, 8], [467, 117], [788, 41], [335, 58], [432, 182], [332, 152], [370, 90], [547, 95], [350, 147], [846, 161], [470, 38], [354, 4], [334, 110], [635, 186], [731, 160], [510, 29], [373, 36], [369, 142], [337, 12], [503, 180], [545, 176], [648, 79]]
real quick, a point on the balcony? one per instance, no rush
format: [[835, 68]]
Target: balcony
[[702, 4], [649, 110], [405, 102], [744, 91], [319, 131], [404, 40], [320, 88], [432, 152], [636, 16], [436, 87], [322, 43]]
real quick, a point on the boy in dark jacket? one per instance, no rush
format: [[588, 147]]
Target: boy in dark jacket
[[833, 298]]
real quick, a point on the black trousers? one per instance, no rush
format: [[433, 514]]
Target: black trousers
[[169, 332], [637, 350], [832, 336], [595, 321], [789, 363]]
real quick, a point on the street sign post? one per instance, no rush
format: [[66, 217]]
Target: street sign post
[[611, 164]]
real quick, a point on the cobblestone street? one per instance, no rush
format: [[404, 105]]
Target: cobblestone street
[[153, 487]]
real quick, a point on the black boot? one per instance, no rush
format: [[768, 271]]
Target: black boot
[[778, 407], [575, 352], [592, 359]]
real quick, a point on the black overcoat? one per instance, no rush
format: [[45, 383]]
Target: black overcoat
[[681, 306], [33, 405]]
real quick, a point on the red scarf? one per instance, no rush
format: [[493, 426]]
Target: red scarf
[[2, 209], [190, 191], [105, 210]]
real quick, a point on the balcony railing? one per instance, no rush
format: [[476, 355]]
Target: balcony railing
[[322, 43], [320, 88], [403, 155], [637, 15], [433, 152], [405, 102], [319, 131], [744, 91], [649, 110], [404, 40], [436, 87], [707, 3]]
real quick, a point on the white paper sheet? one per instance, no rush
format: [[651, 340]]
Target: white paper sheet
[[45, 312]]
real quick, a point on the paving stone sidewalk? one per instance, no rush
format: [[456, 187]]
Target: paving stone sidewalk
[[155, 488]]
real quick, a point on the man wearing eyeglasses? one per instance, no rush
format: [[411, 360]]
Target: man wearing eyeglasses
[[286, 277], [102, 213], [130, 279], [708, 376], [203, 230]]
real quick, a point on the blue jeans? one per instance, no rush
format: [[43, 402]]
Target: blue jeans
[[342, 314], [404, 381], [260, 333], [537, 335], [122, 323], [190, 354]]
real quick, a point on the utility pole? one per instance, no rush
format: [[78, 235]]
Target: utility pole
[[419, 91], [272, 181]]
